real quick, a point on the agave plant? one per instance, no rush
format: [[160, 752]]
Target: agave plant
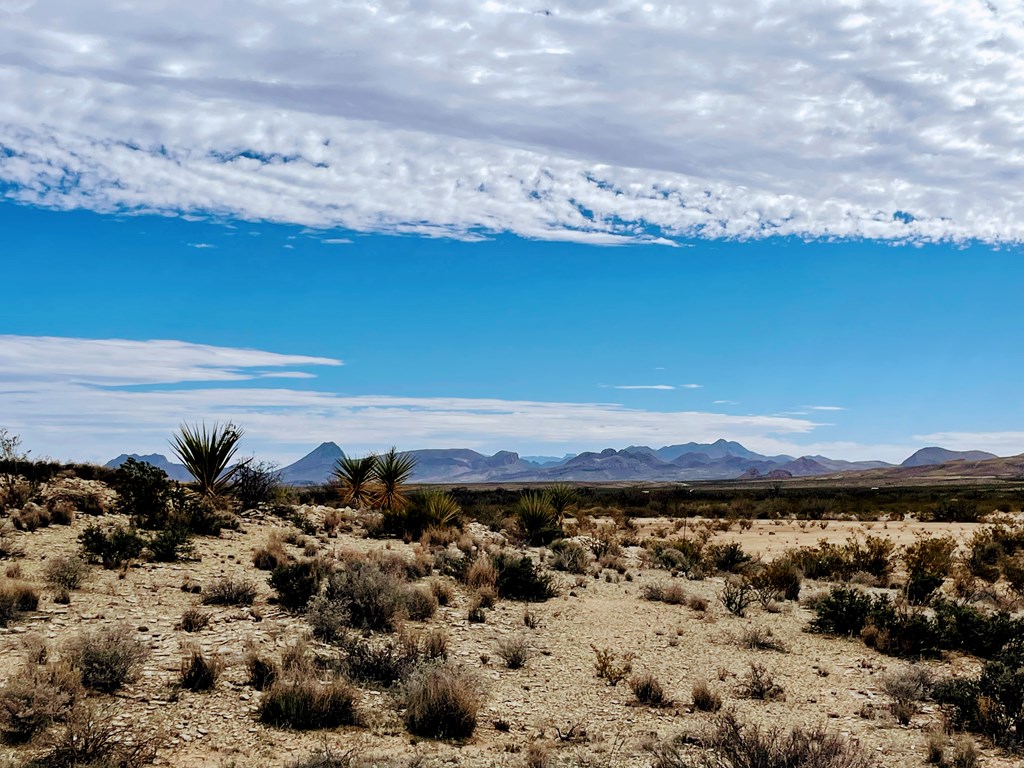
[[440, 509], [355, 477], [206, 454], [391, 473], [537, 520], [561, 497]]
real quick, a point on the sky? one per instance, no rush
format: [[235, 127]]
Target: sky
[[545, 228]]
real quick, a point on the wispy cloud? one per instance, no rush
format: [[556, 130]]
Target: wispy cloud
[[744, 119], [202, 245], [337, 241], [690, 386], [663, 387], [725, 402], [823, 407], [85, 398]]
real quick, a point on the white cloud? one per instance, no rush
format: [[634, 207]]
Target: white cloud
[[740, 119], [663, 387], [824, 407], [725, 402], [1000, 443], [202, 245], [691, 386], [337, 241], [92, 399]]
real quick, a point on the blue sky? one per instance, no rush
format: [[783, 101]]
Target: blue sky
[[476, 225]]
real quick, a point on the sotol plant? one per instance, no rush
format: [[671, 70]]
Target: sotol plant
[[391, 473], [206, 454], [355, 477]]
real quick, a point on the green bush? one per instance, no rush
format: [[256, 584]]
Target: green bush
[[843, 611], [143, 492], [521, 579], [569, 556], [928, 562], [537, 522], [170, 545], [298, 582], [113, 547], [726, 558], [372, 598]]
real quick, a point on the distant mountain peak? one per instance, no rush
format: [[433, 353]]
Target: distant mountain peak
[[935, 455]]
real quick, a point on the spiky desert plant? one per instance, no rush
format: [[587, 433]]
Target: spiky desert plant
[[206, 454], [391, 473], [562, 498], [355, 477], [441, 509], [538, 522]]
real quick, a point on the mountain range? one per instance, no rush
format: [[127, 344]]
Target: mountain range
[[720, 460]]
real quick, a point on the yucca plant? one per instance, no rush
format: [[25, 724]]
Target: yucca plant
[[391, 473], [206, 454], [562, 498], [441, 509], [355, 477], [537, 520]]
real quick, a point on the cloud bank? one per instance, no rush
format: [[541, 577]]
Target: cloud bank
[[92, 399], [590, 121]]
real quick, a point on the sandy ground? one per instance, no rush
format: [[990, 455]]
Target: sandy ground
[[826, 681]]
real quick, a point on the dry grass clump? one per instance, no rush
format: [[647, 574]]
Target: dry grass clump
[[92, 738], [514, 651], [730, 742], [107, 658], [420, 603], [16, 599], [608, 665], [65, 573], [434, 645], [482, 573], [443, 592], [272, 554], [761, 639], [673, 594], [907, 688], [442, 702], [705, 699], [648, 690], [304, 703], [758, 683], [35, 698], [384, 660], [193, 620], [229, 591], [698, 604], [263, 672], [367, 596], [199, 672]]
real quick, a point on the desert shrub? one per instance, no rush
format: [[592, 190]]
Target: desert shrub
[[758, 683], [989, 546], [648, 690], [696, 603], [296, 583], [306, 704], [761, 639], [537, 522], [196, 513], [442, 702], [371, 598], [194, 620], [442, 591], [420, 603], [611, 666], [673, 594], [521, 579], [230, 591], [956, 511], [170, 545], [907, 688], [384, 660], [112, 548], [476, 613], [928, 562], [96, 738], [705, 699], [737, 595], [515, 651], [256, 484], [683, 556], [143, 492], [838, 562], [106, 658], [434, 645], [199, 672], [730, 742], [569, 556], [62, 510], [272, 554], [726, 558], [779, 579], [481, 573], [9, 548], [31, 517], [65, 573], [263, 672], [16, 599], [32, 700], [843, 611]]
